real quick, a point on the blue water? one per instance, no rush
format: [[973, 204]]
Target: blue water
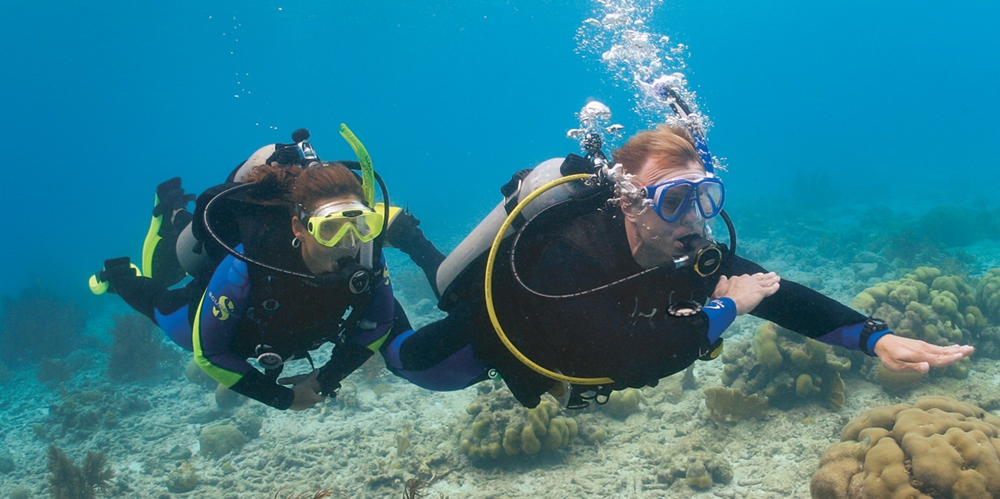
[[821, 111], [103, 100]]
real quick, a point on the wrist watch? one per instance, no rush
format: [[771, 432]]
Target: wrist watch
[[871, 327], [684, 308]]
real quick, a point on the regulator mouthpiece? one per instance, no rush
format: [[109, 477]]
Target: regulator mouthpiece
[[703, 255]]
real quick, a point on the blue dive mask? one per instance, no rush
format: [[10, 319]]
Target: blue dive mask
[[672, 198]]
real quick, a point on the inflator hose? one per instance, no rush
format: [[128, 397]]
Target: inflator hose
[[490, 262]]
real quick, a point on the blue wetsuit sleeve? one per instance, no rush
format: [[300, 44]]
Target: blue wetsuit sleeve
[[222, 307], [849, 337], [721, 313]]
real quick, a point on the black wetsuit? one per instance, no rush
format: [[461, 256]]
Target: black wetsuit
[[621, 332]]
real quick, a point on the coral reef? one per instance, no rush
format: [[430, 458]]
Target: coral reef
[[309, 494], [729, 406], [39, 324], [70, 482], [52, 371], [622, 403], [894, 382], [988, 295], [698, 461], [936, 447], [217, 441], [137, 352], [6, 461], [80, 413], [226, 398], [194, 374], [183, 478], [930, 306], [502, 427], [414, 489], [781, 365]]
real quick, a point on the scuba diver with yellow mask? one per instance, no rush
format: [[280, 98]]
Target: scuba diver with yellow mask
[[277, 257], [603, 277]]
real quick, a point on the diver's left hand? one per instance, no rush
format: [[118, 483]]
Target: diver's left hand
[[306, 388], [901, 354]]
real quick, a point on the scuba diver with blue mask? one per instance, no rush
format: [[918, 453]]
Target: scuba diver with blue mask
[[615, 281], [284, 257]]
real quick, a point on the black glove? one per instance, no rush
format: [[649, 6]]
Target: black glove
[[346, 358]]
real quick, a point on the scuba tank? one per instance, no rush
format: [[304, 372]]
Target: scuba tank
[[520, 187], [594, 121]]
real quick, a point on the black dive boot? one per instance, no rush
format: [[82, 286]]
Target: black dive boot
[[404, 235]]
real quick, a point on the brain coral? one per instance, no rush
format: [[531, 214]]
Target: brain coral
[[937, 447], [502, 427]]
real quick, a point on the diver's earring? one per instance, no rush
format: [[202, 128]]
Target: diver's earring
[[296, 243]]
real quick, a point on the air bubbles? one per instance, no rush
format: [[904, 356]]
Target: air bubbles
[[618, 34]]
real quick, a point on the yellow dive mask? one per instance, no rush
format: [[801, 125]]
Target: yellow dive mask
[[344, 223]]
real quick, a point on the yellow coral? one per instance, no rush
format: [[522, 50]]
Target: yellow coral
[[766, 348], [926, 274], [728, 405], [988, 294], [495, 432], [804, 386], [624, 402], [864, 302], [937, 445]]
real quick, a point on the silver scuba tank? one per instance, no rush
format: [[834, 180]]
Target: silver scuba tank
[[481, 238]]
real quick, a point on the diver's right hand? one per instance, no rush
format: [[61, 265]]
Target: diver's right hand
[[306, 389], [747, 291]]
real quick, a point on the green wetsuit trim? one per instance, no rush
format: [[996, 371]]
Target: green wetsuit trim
[[375, 345], [226, 377], [152, 240]]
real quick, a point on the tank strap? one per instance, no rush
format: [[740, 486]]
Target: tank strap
[[512, 189]]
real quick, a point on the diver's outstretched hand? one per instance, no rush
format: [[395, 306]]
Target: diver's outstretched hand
[[746, 290], [306, 389], [901, 354]]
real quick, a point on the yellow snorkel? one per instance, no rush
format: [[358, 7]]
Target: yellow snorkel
[[367, 171]]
